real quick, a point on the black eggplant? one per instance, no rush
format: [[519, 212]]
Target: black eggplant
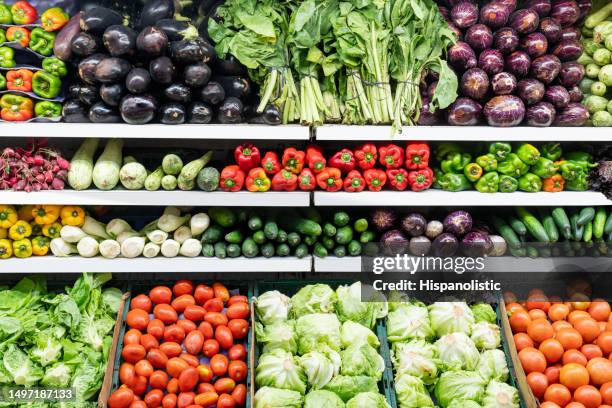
[[87, 68], [210, 55], [62, 48], [120, 40], [190, 51], [177, 30], [138, 109], [89, 94], [138, 81], [74, 91], [199, 113], [271, 115], [162, 70], [197, 75], [212, 93], [111, 70], [155, 10], [85, 44], [230, 111], [111, 94], [152, 42], [234, 86], [102, 113], [229, 66], [178, 93], [97, 19], [172, 114], [74, 111]]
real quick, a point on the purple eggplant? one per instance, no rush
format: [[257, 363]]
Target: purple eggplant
[[541, 114], [445, 245], [530, 91], [445, 12], [565, 12], [394, 242], [546, 68], [535, 44], [414, 224], [458, 223], [138, 109], [576, 94], [475, 83], [456, 30], [558, 96], [551, 29], [62, 47], [494, 14], [571, 74], [464, 14], [503, 83], [569, 50], [427, 118], [464, 112], [542, 7], [525, 21], [476, 244], [479, 37], [574, 115], [152, 42], [585, 7], [491, 61], [510, 4], [87, 68], [570, 33], [506, 40], [518, 63], [462, 56], [504, 111]]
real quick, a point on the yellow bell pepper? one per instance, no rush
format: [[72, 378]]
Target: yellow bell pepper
[[36, 228], [3, 233], [46, 214], [40, 246], [52, 230], [8, 216], [22, 248], [6, 250], [72, 215], [25, 213], [20, 230]]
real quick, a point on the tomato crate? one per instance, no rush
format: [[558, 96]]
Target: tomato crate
[[289, 288], [138, 287]]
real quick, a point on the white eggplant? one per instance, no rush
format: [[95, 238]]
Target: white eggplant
[[170, 248], [110, 249], [199, 223]]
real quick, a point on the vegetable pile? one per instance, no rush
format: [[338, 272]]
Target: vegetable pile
[[185, 347], [518, 64], [58, 339], [318, 349], [452, 351], [564, 349]]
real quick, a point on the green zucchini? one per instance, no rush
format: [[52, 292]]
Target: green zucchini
[[535, 228], [282, 237], [340, 251], [328, 243], [367, 236], [344, 235], [361, 225], [562, 221], [293, 239], [587, 235], [223, 216], [309, 240], [341, 219], [283, 250], [267, 250], [354, 248], [320, 251], [255, 223], [599, 223], [506, 232], [208, 250], [586, 215], [220, 250], [549, 225], [212, 235], [532, 252], [329, 230], [233, 250], [301, 251], [250, 248], [608, 225], [518, 226], [234, 237], [271, 230], [259, 237], [303, 226]]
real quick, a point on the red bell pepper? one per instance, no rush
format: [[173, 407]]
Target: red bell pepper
[[375, 179], [232, 178], [420, 179], [330, 179], [343, 160], [366, 156], [284, 180], [257, 180], [307, 180], [270, 163], [54, 19], [19, 80], [398, 179], [293, 160], [23, 13], [315, 159], [391, 156], [18, 34], [354, 182], [417, 156], [247, 156]]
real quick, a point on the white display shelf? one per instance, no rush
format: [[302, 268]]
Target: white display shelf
[[439, 198], [155, 131], [463, 134], [53, 265], [158, 198]]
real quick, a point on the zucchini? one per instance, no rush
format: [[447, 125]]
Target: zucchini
[[549, 225], [354, 248], [267, 250], [234, 237], [172, 164], [223, 216], [577, 230], [562, 221], [340, 251], [107, 168], [532, 252], [212, 235], [259, 237], [344, 235], [308, 240], [192, 169], [255, 223], [208, 250], [303, 226], [586, 215], [341, 219], [250, 248], [328, 243], [293, 239], [169, 182], [599, 223], [535, 228], [518, 226], [506, 232], [153, 180], [544, 252], [283, 250], [608, 225], [329, 230], [301, 251], [208, 179], [320, 251], [587, 235], [518, 252], [220, 250], [233, 250], [282, 237], [271, 230], [81, 166]]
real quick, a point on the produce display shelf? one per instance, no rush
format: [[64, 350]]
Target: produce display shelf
[[438, 198], [54, 265], [155, 131], [463, 134], [158, 198]]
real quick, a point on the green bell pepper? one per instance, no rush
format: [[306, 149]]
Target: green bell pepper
[[571, 170], [528, 153], [454, 182], [447, 149], [6, 17], [500, 150], [508, 184], [583, 159], [2, 36], [579, 183], [530, 183], [7, 57], [47, 109], [2, 82], [551, 151], [544, 168], [438, 174], [42, 41], [489, 183], [512, 166], [46, 85], [488, 162], [456, 162], [473, 172], [55, 66]]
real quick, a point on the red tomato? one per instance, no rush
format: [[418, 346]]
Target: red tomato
[[552, 373], [574, 356], [154, 398], [532, 360], [205, 387], [537, 314], [157, 358], [156, 328], [237, 352], [148, 342], [237, 370], [519, 321], [183, 287], [588, 396], [237, 299], [188, 379], [131, 336], [224, 336], [185, 399], [133, 353], [176, 366], [206, 399], [210, 348], [159, 380], [187, 325], [165, 313], [194, 313], [569, 339], [205, 373], [207, 330], [600, 371], [144, 368], [161, 295], [224, 385], [214, 305], [552, 350], [194, 342], [522, 340], [169, 401], [180, 303], [172, 386], [538, 384], [239, 395], [573, 376], [540, 330], [239, 328], [121, 398], [203, 293], [138, 319], [141, 302], [591, 351], [216, 319], [513, 307], [559, 394], [221, 291], [141, 384], [588, 329], [127, 374], [219, 364], [174, 333], [606, 393], [171, 349], [190, 359], [604, 341], [575, 404], [548, 404], [599, 310], [558, 312], [238, 310], [138, 404], [226, 401]]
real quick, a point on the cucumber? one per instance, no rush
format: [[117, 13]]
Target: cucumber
[[208, 250], [308, 240], [271, 230], [587, 235], [340, 251], [608, 225], [282, 237], [320, 251], [344, 235], [533, 225], [283, 250], [329, 230], [328, 243], [208, 179], [212, 235], [562, 221], [577, 230], [233, 250], [259, 237], [532, 252], [223, 216], [506, 232], [367, 236], [354, 248], [303, 226], [518, 252], [234, 237], [549, 225], [341, 219], [518, 226], [586, 215], [220, 250], [250, 248], [293, 239], [301, 251], [255, 223], [267, 250], [361, 225], [599, 223]]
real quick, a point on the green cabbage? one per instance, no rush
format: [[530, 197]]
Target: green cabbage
[[500, 395], [411, 392], [317, 298], [409, 322], [417, 358], [457, 351], [369, 400], [459, 385], [278, 335], [318, 368], [451, 317], [486, 336], [362, 360], [355, 333], [268, 397], [461, 403], [346, 387], [318, 329], [483, 312], [493, 366], [272, 306], [280, 369], [322, 399], [350, 306]]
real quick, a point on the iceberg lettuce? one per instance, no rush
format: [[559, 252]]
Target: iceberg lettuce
[[451, 317]]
